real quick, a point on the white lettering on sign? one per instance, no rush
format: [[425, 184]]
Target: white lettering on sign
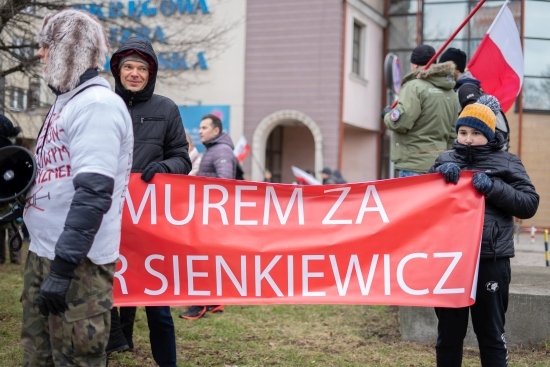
[[263, 275], [211, 207]]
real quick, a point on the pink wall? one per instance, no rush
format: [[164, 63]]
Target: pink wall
[[293, 61]]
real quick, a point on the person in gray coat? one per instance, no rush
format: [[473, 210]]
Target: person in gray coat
[[218, 161]]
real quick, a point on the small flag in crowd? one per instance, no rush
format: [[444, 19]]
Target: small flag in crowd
[[304, 178], [498, 61], [241, 149]]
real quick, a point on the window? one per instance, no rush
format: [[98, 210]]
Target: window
[[22, 48], [357, 48], [33, 94], [536, 51], [18, 100]]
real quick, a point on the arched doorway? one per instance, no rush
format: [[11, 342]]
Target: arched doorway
[[270, 134]]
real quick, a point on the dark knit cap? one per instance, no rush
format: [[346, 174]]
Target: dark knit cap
[[7, 129], [422, 54], [468, 93], [456, 55]]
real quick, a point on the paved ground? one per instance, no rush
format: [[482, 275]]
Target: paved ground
[[527, 252]]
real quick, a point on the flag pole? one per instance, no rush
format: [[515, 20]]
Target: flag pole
[[449, 40]]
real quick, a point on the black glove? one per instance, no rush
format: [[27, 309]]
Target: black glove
[[450, 170], [52, 294], [385, 111], [482, 183], [151, 169]]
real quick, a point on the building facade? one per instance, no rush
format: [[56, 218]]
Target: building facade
[[303, 80], [433, 21]]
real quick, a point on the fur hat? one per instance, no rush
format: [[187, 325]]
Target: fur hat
[[422, 54], [455, 55], [481, 116], [77, 42], [132, 57]]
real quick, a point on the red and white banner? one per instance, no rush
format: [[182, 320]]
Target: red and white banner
[[193, 240], [498, 61]]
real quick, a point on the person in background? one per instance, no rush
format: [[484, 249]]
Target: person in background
[[160, 147], [502, 180], [218, 161], [268, 176], [423, 120], [337, 175], [75, 206], [194, 156], [326, 174]]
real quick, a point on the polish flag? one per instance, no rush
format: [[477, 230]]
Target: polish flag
[[304, 178], [498, 61], [241, 149]]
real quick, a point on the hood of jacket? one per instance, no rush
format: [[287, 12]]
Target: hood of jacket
[[440, 75], [143, 48], [223, 138], [467, 77]]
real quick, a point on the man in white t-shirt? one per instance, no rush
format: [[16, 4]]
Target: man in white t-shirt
[[74, 209]]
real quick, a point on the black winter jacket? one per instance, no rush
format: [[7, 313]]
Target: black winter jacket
[[159, 135], [513, 193]]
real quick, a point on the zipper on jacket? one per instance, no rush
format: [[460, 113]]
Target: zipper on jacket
[[151, 119]]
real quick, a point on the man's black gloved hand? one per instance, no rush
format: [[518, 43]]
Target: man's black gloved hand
[[450, 170], [151, 169], [385, 111], [482, 183], [52, 294]]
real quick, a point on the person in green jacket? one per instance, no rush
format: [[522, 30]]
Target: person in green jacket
[[423, 120]]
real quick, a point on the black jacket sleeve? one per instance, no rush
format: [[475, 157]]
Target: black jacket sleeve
[[516, 196], [176, 156], [91, 200]]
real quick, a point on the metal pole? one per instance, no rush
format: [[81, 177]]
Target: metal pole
[[450, 39], [546, 247]]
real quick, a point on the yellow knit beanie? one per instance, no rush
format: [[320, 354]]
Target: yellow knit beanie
[[480, 117]]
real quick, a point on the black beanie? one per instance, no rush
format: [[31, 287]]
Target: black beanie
[[422, 54], [468, 93], [456, 55], [7, 129]]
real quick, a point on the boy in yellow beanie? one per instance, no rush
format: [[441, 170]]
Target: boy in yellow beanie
[[502, 179]]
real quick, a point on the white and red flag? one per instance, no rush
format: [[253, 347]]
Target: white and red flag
[[304, 178], [241, 149], [498, 61]]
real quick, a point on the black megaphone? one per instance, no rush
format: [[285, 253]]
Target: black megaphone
[[17, 172]]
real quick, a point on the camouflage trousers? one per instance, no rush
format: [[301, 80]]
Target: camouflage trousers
[[80, 335]]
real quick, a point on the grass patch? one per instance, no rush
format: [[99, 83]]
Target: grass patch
[[270, 335]]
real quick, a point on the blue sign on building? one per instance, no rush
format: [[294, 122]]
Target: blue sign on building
[[135, 9], [192, 115]]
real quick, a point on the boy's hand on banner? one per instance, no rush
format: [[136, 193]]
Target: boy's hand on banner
[[482, 183], [451, 172]]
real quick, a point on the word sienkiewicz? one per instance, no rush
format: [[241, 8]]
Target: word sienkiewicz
[[279, 276]]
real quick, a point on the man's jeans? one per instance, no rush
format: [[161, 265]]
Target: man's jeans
[[409, 173], [162, 335]]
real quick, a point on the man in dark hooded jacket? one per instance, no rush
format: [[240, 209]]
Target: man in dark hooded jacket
[[160, 146]]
